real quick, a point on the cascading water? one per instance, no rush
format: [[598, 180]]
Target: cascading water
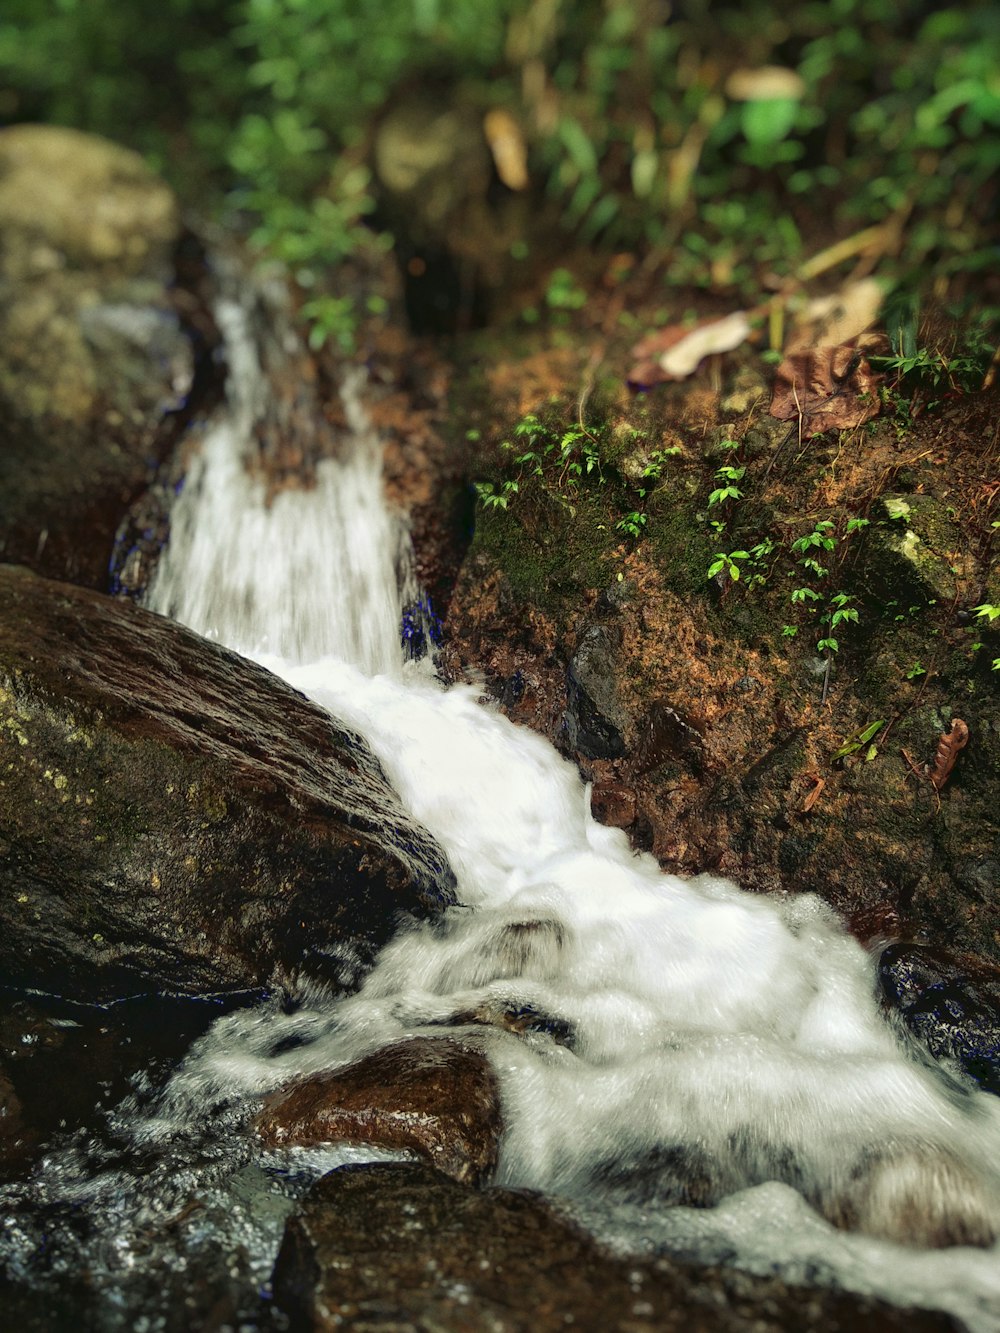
[[678, 1029]]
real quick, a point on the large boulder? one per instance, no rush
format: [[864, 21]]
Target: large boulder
[[93, 354], [175, 817], [402, 1246]]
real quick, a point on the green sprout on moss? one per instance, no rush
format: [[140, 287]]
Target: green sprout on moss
[[730, 491], [723, 563]]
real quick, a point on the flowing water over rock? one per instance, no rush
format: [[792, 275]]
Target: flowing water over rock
[[693, 1068]]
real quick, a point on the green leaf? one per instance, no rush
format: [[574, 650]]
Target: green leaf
[[860, 738], [768, 122]]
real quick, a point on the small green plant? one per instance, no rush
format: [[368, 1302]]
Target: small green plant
[[490, 497], [729, 491], [859, 739], [331, 319], [841, 611], [563, 291], [727, 563], [988, 612], [557, 458], [653, 470], [632, 523], [916, 671]]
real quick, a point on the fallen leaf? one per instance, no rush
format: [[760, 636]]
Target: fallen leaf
[[950, 743], [814, 795], [676, 352], [830, 388], [506, 142], [829, 321], [765, 83]]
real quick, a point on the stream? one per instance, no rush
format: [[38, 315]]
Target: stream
[[678, 1028]]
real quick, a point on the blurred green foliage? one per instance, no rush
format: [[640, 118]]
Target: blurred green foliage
[[631, 110]]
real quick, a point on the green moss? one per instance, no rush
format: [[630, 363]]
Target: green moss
[[549, 547]]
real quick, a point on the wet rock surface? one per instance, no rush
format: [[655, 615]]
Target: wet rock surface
[[403, 1247], [176, 817], [951, 1005], [434, 1097], [97, 344], [63, 1065]]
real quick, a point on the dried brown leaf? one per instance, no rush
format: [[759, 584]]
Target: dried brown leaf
[[830, 388], [828, 321], [813, 796], [949, 745], [676, 352], [764, 83], [506, 141]]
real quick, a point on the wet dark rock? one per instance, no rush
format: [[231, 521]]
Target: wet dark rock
[[403, 1247], [515, 1015], [951, 1005], [66, 1064], [666, 735], [94, 354], [15, 1137], [175, 817], [906, 554], [435, 1097], [595, 719]]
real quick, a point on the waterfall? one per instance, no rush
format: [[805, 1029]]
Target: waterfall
[[677, 1028], [305, 574]]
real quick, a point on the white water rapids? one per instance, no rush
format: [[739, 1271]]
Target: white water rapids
[[703, 1030]]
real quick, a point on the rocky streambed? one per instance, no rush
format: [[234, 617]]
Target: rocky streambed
[[183, 834]]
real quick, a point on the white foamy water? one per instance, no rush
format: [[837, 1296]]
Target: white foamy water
[[678, 1030]]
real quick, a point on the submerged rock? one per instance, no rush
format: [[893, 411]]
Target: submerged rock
[[175, 817], [93, 355], [435, 1097], [401, 1246]]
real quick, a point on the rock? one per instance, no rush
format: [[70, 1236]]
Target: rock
[[15, 1140], [175, 817], [399, 1246], [613, 803], [66, 1065], [435, 1097], [93, 352], [436, 189], [748, 389], [908, 552], [595, 719], [665, 735], [951, 1005]]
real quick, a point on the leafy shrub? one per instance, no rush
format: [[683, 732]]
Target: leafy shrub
[[635, 123]]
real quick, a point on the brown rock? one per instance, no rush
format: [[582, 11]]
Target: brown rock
[[613, 803], [175, 817], [402, 1247], [435, 1097]]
